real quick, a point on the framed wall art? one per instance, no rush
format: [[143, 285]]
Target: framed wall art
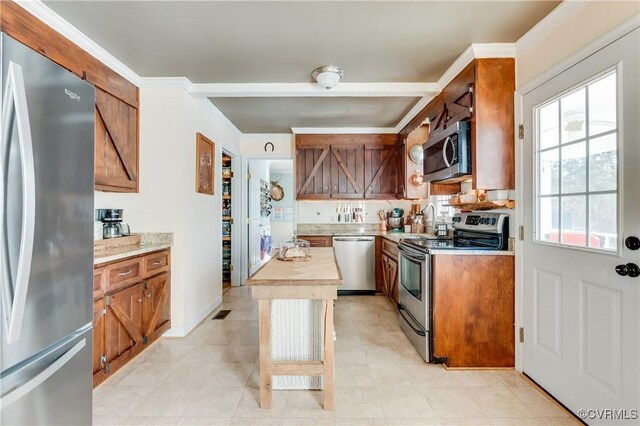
[[205, 159]]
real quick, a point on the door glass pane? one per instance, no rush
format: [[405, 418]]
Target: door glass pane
[[573, 221], [574, 168], [577, 199], [549, 172], [549, 219], [602, 224], [602, 105], [603, 163], [549, 127], [573, 110]]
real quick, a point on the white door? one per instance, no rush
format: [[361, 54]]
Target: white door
[[581, 201], [258, 224]]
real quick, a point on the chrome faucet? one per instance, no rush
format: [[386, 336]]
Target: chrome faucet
[[429, 224]]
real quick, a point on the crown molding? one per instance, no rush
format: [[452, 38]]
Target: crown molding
[[55, 21], [167, 82], [556, 17], [208, 104], [341, 130], [274, 90]]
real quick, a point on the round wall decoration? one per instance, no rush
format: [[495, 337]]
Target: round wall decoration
[[277, 193]]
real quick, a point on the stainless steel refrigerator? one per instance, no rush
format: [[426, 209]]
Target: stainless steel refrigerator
[[46, 250]]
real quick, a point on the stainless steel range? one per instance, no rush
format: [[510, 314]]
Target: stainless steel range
[[472, 231]]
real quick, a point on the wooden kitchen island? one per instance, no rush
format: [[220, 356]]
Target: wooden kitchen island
[[292, 287]]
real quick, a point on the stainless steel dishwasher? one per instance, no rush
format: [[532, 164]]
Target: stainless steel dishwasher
[[356, 257]]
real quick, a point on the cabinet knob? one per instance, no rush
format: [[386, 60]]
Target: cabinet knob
[[140, 300], [149, 296]]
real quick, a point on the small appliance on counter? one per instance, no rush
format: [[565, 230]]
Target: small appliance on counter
[[112, 224], [395, 223]]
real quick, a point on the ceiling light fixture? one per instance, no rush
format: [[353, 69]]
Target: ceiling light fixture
[[328, 76]]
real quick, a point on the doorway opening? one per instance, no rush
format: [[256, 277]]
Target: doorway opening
[[227, 221]]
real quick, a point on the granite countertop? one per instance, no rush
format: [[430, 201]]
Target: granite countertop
[[149, 242]]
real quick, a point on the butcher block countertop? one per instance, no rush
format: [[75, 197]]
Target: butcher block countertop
[[321, 269]]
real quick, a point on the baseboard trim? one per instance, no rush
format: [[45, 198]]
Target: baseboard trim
[[183, 331]]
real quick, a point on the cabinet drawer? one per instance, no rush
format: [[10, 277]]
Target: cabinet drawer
[[155, 263], [390, 248], [123, 274], [99, 284], [318, 240]]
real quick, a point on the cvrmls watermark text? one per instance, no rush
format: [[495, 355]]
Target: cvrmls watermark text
[[608, 414]]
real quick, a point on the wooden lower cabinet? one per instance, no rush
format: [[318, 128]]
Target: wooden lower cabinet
[[99, 353], [123, 329], [156, 307], [318, 240], [473, 310], [387, 268], [127, 320]]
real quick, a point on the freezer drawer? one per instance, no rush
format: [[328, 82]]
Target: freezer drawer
[[52, 388]]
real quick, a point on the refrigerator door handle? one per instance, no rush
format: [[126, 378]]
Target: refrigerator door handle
[[14, 297], [37, 380]]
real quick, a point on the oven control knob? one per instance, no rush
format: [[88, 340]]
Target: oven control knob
[[494, 221]]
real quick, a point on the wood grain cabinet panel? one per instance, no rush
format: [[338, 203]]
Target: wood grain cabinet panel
[[156, 263], [313, 173], [387, 258], [156, 307], [123, 274], [116, 144], [348, 167], [473, 310], [318, 240], [347, 171], [381, 172], [117, 99], [123, 327], [99, 363], [134, 311], [483, 94]]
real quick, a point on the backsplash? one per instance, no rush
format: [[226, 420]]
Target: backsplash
[[326, 211]]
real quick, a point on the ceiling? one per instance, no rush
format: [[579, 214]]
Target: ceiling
[[278, 115], [282, 42]]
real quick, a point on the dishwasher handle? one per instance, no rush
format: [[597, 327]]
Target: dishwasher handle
[[356, 239]]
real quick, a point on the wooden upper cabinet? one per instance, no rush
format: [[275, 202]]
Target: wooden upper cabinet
[[116, 144], [347, 171], [313, 173], [418, 137], [483, 94], [381, 172], [347, 166], [117, 99]]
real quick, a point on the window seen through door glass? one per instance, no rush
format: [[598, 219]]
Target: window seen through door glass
[[577, 166]]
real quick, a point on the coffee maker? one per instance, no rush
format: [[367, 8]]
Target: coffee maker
[[112, 224]]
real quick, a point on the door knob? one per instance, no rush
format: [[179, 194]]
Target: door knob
[[630, 269], [632, 243]]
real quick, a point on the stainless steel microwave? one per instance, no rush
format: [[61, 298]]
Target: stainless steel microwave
[[449, 156]]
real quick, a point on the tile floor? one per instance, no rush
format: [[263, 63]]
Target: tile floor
[[211, 378]]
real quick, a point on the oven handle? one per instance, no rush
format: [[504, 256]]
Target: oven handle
[[411, 254], [410, 320]]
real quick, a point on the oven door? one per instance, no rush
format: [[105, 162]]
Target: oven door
[[413, 274]]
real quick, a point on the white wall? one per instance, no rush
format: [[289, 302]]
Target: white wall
[[587, 24], [252, 145], [167, 201]]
